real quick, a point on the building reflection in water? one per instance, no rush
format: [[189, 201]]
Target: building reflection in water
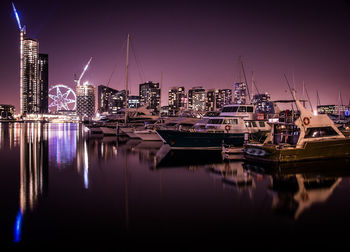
[[10, 135], [33, 170]]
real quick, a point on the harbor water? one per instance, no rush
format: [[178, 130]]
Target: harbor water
[[62, 186]]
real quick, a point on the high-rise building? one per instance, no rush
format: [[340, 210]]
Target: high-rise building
[[197, 99], [240, 93], [150, 95], [103, 93], [223, 98], [7, 111], [176, 100], [212, 95], [85, 100], [43, 80], [33, 74], [133, 101], [116, 102], [263, 103], [29, 84]]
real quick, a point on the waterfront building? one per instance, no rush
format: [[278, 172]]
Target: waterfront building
[[43, 79], [103, 94], [116, 102], [164, 111], [335, 111], [212, 95], [34, 77], [133, 101], [85, 100], [150, 95], [263, 103], [176, 100], [7, 112], [197, 99], [29, 88], [224, 97], [240, 93]]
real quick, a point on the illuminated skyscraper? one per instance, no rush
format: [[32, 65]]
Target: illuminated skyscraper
[[150, 95], [30, 90], [104, 93], [43, 80], [240, 93], [212, 95], [197, 99], [85, 100], [33, 74], [223, 98], [176, 99]]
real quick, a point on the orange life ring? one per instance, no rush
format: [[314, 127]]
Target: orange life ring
[[306, 120], [227, 128]]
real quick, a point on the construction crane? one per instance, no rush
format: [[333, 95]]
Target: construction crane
[[82, 74]]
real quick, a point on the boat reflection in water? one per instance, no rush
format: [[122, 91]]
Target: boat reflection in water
[[296, 187], [80, 189], [233, 176]]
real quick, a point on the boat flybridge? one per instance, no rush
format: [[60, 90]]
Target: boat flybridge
[[307, 137]]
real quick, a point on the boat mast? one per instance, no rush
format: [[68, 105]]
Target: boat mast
[[127, 77], [160, 92], [245, 78], [318, 99]]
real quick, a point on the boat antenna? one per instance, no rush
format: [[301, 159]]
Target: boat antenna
[[245, 78], [254, 83], [308, 98], [293, 95], [127, 77], [318, 98]]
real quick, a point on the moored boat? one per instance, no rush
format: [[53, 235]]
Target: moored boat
[[308, 137]]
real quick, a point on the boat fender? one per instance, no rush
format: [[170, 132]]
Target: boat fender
[[306, 120], [227, 128]]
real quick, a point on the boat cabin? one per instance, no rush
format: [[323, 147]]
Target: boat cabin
[[246, 111], [305, 128]]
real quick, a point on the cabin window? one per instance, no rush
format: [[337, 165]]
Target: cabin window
[[230, 109], [254, 124], [249, 109], [320, 132], [262, 124], [230, 121], [215, 121], [248, 124], [242, 109]]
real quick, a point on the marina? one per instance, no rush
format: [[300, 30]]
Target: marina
[[169, 126], [126, 190]]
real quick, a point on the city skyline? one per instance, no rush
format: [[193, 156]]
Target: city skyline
[[192, 44]]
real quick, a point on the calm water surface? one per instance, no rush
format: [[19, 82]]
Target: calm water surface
[[60, 186]]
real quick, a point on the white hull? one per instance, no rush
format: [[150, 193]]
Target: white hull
[[148, 135]]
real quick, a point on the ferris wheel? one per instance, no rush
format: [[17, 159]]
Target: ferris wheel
[[62, 97]]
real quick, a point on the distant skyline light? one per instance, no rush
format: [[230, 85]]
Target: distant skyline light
[[193, 43]]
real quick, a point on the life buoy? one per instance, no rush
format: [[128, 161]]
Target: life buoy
[[227, 128], [306, 120]]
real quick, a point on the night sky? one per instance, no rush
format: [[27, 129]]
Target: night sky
[[192, 42]]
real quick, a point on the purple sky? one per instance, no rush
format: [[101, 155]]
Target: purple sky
[[192, 42]]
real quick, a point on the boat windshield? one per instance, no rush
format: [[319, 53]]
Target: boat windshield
[[230, 109], [287, 134], [215, 121]]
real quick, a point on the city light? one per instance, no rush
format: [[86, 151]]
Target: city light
[[17, 17]]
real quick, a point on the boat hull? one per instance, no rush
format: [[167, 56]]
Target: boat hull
[[109, 131], [148, 135], [326, 149], [183, 140]]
